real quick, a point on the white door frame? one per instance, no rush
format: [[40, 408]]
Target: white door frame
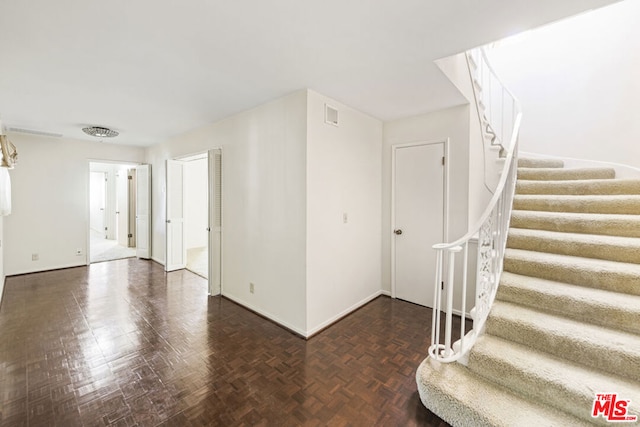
[[143, 221], [174, 222], [445, 231], [212, 230], [126, 163]]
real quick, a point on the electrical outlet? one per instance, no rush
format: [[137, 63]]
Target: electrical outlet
[[252, 287], [79, 252], [35, 257]]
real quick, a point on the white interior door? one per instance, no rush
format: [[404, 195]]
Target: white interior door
[[143, 211], [215, 222], [418, 219], [176, 253], [97, 201], [122, 207]]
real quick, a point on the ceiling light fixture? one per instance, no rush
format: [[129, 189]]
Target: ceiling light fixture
[[100, 132]]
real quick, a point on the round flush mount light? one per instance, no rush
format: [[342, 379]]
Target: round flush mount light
[[100, 132]]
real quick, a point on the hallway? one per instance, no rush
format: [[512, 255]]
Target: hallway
[[107, 250], [125, 343]]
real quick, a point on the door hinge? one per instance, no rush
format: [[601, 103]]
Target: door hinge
[[130, 177], [129, 235], [442, 160], [442, 285]]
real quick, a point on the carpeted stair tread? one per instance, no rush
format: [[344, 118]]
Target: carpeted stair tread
[[616, 204], [596, 306], [565, 323], [556, 174], [572, 222], [612, 248], [604, 349], [462, 398], [552, 381], [525, 162], [579, 187], [594, 273]]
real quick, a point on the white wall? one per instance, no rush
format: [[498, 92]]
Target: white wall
[[343, 177], [578, 84], [50, 192], [483, 168], [196, 194], [452, 123], [264, 204], [2, 275]]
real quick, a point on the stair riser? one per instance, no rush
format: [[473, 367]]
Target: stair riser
[[587, 250], [539, 174], [575, 274], [613, 206], [594, 187], [462, 398], [601, 356], [628, 227], [534, 387], [611, 317]]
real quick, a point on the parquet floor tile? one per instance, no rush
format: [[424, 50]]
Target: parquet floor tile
[[123, 343]]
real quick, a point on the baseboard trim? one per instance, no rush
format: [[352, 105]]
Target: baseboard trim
[[385, 293], [266, 315], [158, 260], [60, 267], [324, 325]]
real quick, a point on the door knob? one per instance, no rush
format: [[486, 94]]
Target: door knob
[[398, 231]]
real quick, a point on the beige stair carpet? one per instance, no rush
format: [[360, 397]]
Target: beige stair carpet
[[566, 321]]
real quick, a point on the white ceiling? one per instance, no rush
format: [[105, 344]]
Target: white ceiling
[[152, 69]]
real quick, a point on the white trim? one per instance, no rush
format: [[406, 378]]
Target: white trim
[[222, 163], [343, 313], [445, 195], [385, 292], [211, 172], [87, 219], [48, 268], [266, 314]]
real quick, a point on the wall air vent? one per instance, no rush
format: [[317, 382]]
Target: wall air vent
[[330, 115], [35, 132]]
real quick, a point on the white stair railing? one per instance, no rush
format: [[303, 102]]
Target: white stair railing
[[500, 116]]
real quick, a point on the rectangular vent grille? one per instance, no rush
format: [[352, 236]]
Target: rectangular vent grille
[[330, 115], [35, 132]]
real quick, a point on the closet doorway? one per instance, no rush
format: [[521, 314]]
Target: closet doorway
[[194, 216], [112, 211]]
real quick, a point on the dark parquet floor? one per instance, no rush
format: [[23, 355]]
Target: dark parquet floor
[[123, 343]]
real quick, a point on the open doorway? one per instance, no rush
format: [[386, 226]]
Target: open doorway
[[112, 211], [196, 221], [194, 216]]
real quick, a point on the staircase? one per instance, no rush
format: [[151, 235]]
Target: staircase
[[565, 324]]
